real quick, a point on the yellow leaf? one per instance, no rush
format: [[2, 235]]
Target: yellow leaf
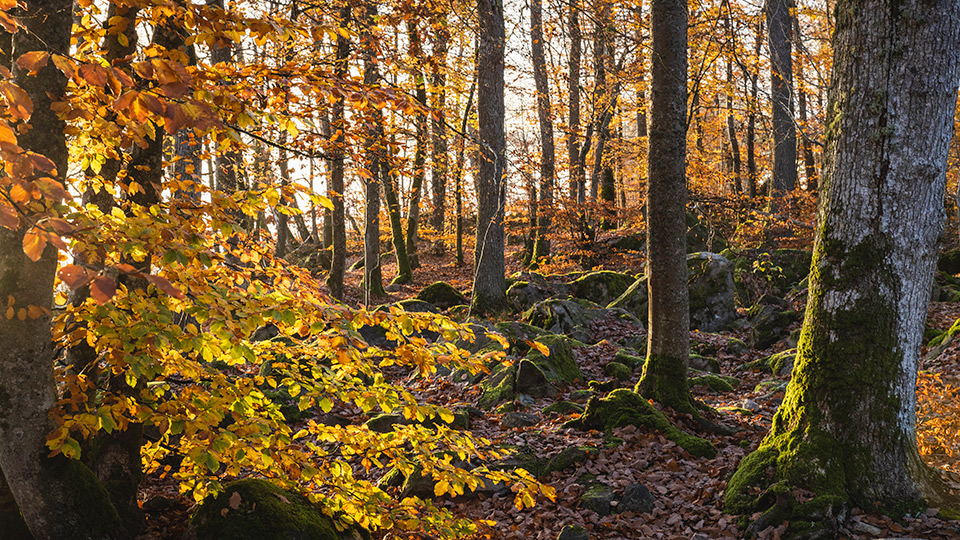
[[543, 349]]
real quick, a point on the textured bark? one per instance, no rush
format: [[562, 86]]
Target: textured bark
[[751, 135], [576, 182], [374, 154], [846, 428], [731, 122], [438, 175], [781, 93], [489, 283], [809, 165], [420, 152], [664, 372], [337, 215], [541, 243], [55, 496], [458, 174], [404, 272]]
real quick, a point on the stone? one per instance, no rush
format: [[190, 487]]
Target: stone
[[601, 287], [636, 498], [569, 317], [441, 295], [598, 498], [634, 300], [573, 532], [523, 294], [770, 324], [949, 262], [568, 457], [255, 509], [710, 283], [618, 371], [703, 363], [384, 423], [563, 408], [512, 420], [560, 366]]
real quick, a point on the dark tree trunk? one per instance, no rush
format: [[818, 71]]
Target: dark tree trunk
[[541, 243], [780, 29], [375, 154], [338, 125], [489, 283], [438, 176], [664, 375], [458, 175], [809, 165], [577, 176], [752, 116], [420, 153], [846, 429], [58, 498]]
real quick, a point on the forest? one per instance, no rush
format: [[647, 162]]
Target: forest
[[427, 269]]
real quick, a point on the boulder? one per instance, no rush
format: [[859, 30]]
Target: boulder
[[618, 371], [636, 498], [710, 281], [949, 262], [570, 317], [512, 420], [573, 532], [442, 295], [601, 287], [568, 457], [634, 300], [523, 294], [702, 236], [770, 324], [598, 498], [254, 509], [562, 408]]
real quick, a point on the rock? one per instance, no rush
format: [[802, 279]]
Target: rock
[[713, 382], [703, 363], [701, 235], [601, 287], [634, 300], [568, 457], [781, 363], [618, 371], [518, 333], [598, 498], [710, 281], [770, 324], [442, 295], [499, 386], [865, 528], [413, 305], [580, 395], [573, 532], [383, 423], [563, 408], [949, 262], [749, 405], [568, 317], [629, 242], [537, 374], [255, 509], [518, 419], [629, 357], [770, 387], [637, 499], [523, 294]]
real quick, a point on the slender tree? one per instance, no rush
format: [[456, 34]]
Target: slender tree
[[541, 243], [374, 143], [575, 163], [489, 283], [780, 28], [336, 192], [846, 429], [438, 81]]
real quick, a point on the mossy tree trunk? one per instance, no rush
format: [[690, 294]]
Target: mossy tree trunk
[[489, 283], [846, 428], [56, 496], [664, 377]]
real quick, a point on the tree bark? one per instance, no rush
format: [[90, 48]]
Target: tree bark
[[58, 498], [664, 376], [751, 134], [438, 175], [338, 125], [846, 429], [420, 152], [577, 178], [374, 155], [489, 283], [541, 243], [780, 29]]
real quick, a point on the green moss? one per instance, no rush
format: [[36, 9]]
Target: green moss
[[713, 382], [499, 386], [664, 380], [618, 371], [628, 358], [601, 287], [562, 408], [263, 510], [568, 457], [623, 407], [441, 295], [949, 513], [560, 365]]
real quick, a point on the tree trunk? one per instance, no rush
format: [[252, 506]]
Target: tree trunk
[[780, 29], [752, 117], [846, 428], [438, 175], [58, 498], [577, 178], [338, 125], [420, 153], [374, 155], [489, 283], [541, 243], [664, 377], [809, 165], [404, 272], [458, 175]]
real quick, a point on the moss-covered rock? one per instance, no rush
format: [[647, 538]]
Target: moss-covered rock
[[949, 262], [524, 294], [442, 295], [562, 408], [713, 382], [634, 300], [414, 305], [537, 373], [518, 334], [623, 407], [570, 317], [255, 509], [629, 357], [568, 457], [770, 323], [618, 371], [710, 282], [598, 498], [601, 287], [703, 363], [499, 386]]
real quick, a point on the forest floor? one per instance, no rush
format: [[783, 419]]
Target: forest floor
[[688, 491]]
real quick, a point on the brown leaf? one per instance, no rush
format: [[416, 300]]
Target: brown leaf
[[74, 276], [235, 500], [94, 74], [103, 289], [20, 105], [164, 285], [9, 217], [33, 60], [33, 243]]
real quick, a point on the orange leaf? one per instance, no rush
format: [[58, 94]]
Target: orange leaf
[[33, 243], [74, 276], [143, 69], [94, 74], [9, 217], [126, 268], [65, 65], [103, 289], [20, 105], [125, 100], [8, 4], [174, 118], [6, 134], [164, 285], [9, 23], [33, 60], [41, 162]]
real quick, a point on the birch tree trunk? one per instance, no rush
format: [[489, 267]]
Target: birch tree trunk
[[846, 429]]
